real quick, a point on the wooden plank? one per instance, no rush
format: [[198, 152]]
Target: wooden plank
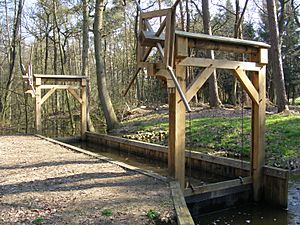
[[239, 192], [75, 95], [263, 56], [169, 39], [217, 186], [38, 113], [59, 86], [47, 95], [276, 172], [182, 212], [258, 134], [220, 64], [198, 82], [59, 76], [182, 47], [83, 109], [210, 45], [155, 13], [219, 39], [247, 85]]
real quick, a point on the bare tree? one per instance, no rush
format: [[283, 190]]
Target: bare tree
[[12, 53], [107, 107], [214, 100], [276, 58], [85, 57]]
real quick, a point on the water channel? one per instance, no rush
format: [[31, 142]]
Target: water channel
[[255, 214]]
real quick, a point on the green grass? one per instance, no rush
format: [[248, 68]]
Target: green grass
[[297, 101], [153, 214], [282, 134], [107, 212]]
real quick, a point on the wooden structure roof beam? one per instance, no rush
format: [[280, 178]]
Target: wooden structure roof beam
[[220, 64]]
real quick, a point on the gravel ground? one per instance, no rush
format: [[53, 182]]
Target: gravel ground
[[44, 183]]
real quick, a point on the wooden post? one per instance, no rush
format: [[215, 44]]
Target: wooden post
[[83, 111], [176, 154], [38, 104], [258, 130], [169, 39]]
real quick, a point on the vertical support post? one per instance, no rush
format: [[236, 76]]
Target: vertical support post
[[38, 104], [169, 39], [258, 131], [176, 154], [83, 110]]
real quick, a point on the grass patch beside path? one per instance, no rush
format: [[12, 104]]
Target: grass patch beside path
[[218, 133]]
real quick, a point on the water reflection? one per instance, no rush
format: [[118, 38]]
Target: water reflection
[[259, 214]]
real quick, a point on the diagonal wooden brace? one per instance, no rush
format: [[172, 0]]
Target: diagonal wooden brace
[[247, 85], [194, 87]]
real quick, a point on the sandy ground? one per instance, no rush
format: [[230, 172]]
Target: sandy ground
[[44, 183]]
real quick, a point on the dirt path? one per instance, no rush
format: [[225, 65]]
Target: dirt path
[[44, 183]]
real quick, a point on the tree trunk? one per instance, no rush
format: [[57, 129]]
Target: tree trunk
[[276, 59], [214, 100], [12, 52], [85, 59], [107, 107]]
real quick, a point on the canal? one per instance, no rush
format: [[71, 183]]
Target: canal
[[255, 214]]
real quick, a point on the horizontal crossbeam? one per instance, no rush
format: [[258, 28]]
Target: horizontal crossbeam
[[220, 64], [59, 86], [220, 186]]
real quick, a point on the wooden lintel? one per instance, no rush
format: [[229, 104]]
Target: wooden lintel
[[222, 40], [217, 186], [220, 64], [155, 13], [198, 82], [47, 95], [59, 86], [49, 76], [247, 85], [75, 95], [223, 47]]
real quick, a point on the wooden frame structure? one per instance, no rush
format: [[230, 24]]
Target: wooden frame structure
[[75, 85], [173, 47]]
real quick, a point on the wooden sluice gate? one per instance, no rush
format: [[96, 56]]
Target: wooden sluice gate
[[254, 181]]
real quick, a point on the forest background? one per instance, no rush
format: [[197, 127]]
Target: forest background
[[98, 39]]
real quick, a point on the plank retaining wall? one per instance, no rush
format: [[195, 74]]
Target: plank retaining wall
[[275, 179]]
